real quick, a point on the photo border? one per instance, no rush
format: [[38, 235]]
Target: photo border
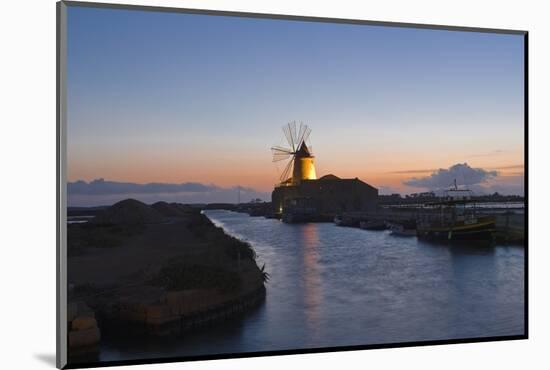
[[61, 191]]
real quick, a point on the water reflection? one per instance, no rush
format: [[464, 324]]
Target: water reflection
[[332, 286], [310, 242]]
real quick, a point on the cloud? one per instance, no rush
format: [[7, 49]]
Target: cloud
[[489, 154], [387, 190], [413, 171], [444, 178], [503, 184], [510, 167], [100, 186], [104, 192]]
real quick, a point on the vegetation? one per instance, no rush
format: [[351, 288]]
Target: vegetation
[[178, 276], [202, 227], [83, 290], [237, 249], [88, 235], [199, 226], [265, 274]]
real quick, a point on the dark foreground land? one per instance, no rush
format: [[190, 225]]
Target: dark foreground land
[[154, 270]]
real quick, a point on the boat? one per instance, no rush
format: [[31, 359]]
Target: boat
[[344, 221], [294, 215], [372, 225], [405, 228], [456, 217]]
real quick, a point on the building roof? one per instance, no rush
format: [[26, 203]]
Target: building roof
[[329, 177], [333, 178]]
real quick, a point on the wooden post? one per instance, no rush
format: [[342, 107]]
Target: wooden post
[[239, 260], [507, 225]]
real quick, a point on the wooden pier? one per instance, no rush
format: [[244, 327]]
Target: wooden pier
[[510, 223]]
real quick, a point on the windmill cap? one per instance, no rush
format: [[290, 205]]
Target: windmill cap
[[303, 151]]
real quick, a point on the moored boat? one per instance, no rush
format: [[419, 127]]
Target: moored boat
[[474, 228], [402, 228], [455, 218], [344, 221], [372, 225]]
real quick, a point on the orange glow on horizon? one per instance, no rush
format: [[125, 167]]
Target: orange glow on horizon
[[257, 172]]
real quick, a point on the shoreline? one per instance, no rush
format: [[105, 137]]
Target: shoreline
[[158, 278]]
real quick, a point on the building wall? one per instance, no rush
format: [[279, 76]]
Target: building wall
[[330, 196]]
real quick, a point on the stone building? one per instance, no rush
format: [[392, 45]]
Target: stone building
[[303, 197], [328, 196]]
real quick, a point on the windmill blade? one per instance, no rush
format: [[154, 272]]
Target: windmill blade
[[280, 157], [301, 134], [288, 135], [304, 136], [278, 148], [286, 171], [293, 135], [280, 153]]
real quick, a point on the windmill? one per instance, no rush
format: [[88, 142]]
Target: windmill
[[299, 155]]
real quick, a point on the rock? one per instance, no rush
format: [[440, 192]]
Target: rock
[[159, 314], [83, 323], [82, 338], [75, 309], [72, 311]]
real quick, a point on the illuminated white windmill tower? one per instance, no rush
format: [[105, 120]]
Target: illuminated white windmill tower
[[301, 158]]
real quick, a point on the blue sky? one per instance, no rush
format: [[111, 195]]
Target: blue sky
[[166, 97]]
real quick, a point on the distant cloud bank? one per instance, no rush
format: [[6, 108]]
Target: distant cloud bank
[[444, 178], [489, 154], [477, 179], [104, 192], [102, 187]]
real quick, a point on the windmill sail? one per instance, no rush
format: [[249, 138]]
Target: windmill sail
[[300, 163]]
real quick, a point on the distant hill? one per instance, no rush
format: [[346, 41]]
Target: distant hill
[[172, 209], [85, 211], [128, 211]]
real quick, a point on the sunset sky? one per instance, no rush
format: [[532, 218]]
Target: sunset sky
[[177, 98]]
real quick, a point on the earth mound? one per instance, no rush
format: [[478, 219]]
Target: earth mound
[[171, 209], [128, 211]]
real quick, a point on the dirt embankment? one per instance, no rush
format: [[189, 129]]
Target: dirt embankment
[[160, 268]]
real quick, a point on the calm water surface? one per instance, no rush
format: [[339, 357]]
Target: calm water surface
[[334, 286]]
